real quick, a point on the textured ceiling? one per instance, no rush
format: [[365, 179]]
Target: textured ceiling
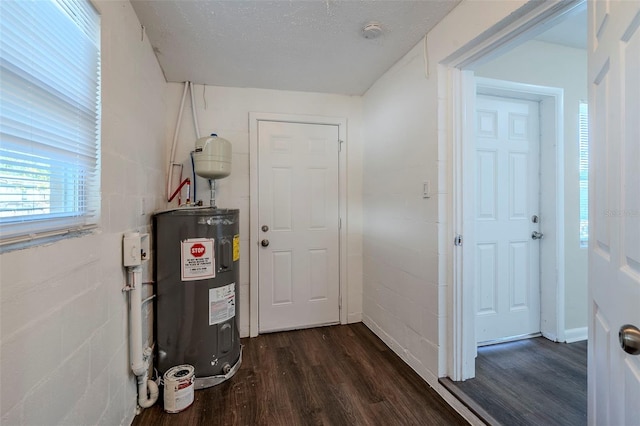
[[312, 45]]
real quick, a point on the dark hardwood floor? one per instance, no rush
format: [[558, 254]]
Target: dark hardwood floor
[[340, 375], [528, 382]]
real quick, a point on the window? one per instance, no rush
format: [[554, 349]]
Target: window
[[583, 119], [49, 118]]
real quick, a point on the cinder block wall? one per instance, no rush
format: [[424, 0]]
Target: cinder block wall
[[64, 325]]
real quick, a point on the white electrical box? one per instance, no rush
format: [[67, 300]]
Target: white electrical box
[[135, 249]]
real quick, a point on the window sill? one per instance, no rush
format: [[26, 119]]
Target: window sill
[[32, 240]]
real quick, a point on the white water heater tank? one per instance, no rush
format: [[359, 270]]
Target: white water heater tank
[[212, 157]]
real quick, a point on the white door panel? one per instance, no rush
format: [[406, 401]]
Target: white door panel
[[507, 196], [614, 212], [298, 202]]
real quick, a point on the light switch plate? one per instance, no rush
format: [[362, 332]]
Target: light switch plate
[[426, 189]]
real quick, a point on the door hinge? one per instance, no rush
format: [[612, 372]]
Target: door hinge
[[339, 223], [457, 240], [340, 145]]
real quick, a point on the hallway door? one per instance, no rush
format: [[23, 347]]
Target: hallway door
[[614, 211], [507, 203]]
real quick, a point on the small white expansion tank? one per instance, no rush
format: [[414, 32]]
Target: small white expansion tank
[[212, 157]]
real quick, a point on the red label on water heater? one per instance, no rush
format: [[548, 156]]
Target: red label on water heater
[[197, 260], [198, 250]]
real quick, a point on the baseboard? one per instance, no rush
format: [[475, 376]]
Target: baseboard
[[354, 317], [576, 334]]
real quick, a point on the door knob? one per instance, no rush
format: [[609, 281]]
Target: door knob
[[629, 336], [264, 243], [535, 235]]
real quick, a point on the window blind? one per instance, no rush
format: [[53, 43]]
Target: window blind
[[583, 133], [49, 117]]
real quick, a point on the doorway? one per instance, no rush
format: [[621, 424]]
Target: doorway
[[297, 168], [553, 107], [552, 278]]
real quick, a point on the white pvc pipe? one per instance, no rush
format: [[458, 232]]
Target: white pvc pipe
[[135, 320], [139, 362], [175, 140], [195, 113], [147, 391]]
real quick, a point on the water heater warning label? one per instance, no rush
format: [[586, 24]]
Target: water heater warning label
[[222, 304], [197, 259], [236, 248]]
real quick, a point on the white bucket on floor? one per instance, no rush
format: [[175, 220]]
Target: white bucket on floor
[[178, 388]]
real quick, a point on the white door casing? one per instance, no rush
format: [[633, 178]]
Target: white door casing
[[507, 192], [614, 210], [298, 194]]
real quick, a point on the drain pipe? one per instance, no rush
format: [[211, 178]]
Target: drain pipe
[[147, 389]]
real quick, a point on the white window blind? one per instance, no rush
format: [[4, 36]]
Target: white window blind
[[583, 119], [49, 117]]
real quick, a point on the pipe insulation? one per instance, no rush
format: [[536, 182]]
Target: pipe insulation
[[172, 157], [147, 389]]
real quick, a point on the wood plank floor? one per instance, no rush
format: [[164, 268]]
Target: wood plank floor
[[528, 382], [340, 375]]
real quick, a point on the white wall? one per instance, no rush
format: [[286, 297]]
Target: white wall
[[400, 228], [407, 241], [553, 65], [227, 114], [63, 315]]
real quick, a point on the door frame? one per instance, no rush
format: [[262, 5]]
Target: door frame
[[254, 225], [456, 71]]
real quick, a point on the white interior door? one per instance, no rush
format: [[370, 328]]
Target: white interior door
[[614, 211], [298, 271], [507, 192]]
